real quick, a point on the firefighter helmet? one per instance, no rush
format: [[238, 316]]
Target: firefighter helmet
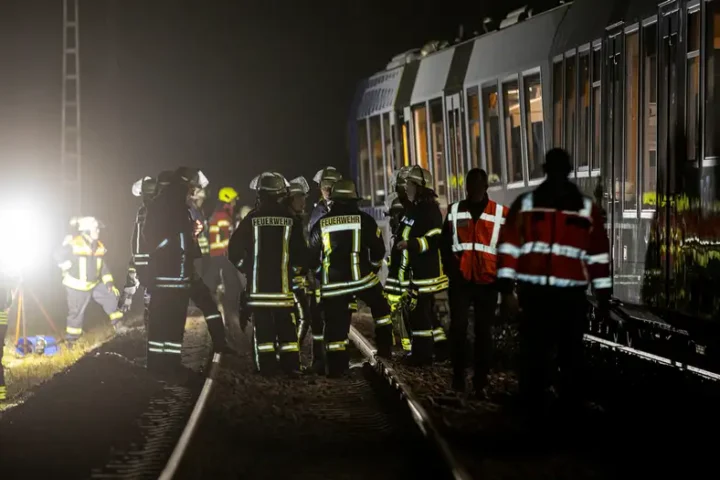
[[399, 178], [327, 176], [227, 194], [298, 186], [344, 189], [85, 224], [192, 176], [420, 177], [144, 186], [270, 182]]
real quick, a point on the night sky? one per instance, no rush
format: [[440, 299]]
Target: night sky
[[234, 87]]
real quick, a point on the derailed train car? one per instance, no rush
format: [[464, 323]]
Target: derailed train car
[[628, 88]]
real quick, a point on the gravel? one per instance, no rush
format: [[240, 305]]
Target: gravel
[[99, 417]]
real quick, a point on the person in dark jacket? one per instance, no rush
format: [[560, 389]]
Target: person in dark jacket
[[347, 245], [269, 249], [415, 264], [554, 245], [170, 236]]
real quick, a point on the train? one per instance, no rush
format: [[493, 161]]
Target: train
[[628, 88]]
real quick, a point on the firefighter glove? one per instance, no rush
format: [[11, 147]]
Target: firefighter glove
[[113, 289]]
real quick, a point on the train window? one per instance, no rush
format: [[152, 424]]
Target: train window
[[491, 118], [583, 159], [474, 124], [437, 131], [712, 81], [535, 132], [511, 100], [693, 86], [421, 145], [570, 106], [632, 104], [377, 160], [388, 139], [364, 160], [557, 104], [649, 164], [596, 109]]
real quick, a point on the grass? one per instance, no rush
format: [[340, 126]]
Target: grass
[[22, 374]]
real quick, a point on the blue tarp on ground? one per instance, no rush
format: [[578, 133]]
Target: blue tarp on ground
[[39, 344]]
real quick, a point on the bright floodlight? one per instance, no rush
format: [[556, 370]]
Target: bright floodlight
[[20, 243]]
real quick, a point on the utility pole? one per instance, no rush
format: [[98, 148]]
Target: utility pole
[[71, 155]]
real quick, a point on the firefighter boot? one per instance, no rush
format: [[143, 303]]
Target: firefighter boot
[[384, 340]]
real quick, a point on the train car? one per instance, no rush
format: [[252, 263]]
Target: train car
[[628, 88]]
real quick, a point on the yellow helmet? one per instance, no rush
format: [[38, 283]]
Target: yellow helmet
[[227, 194]]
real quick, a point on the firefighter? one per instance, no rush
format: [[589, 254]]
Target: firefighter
[[5, 304], [296, 201], [325, 179], [554, 244], [85, 275], [400, 180], [146, 188], [197, 199], [269, 249], [170, 234], [348, 245], [222, 275], [469, 250], [415, 265]]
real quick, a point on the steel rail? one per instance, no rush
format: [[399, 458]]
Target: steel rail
[[419, 414], [183, 443]]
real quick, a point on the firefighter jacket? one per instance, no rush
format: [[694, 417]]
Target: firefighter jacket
[[82, 262], [169, 234], [139, 255], [319, 210], [202, 238], [469, 240], [221, 229], [347, 247], [419, 264], [269, 248], [554, 236]]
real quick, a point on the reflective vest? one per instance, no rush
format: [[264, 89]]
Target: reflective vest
[[557, 248], [474, 242], [82, 267], [221, 227]]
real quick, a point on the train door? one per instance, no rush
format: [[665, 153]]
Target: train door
[[669, 82], [456, 160], [614, 76]]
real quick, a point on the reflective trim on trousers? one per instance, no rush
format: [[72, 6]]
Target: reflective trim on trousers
[[422, 333], [289, 347], [318, 338], [339, 346], [406, 345], [3, 392], [165, 347], [439, 335], [383, 321], [278, 303], [265, 347], [73, 331]]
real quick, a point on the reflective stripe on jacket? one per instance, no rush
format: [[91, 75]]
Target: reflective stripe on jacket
[[474, 243], [554, 247], [82, 263]]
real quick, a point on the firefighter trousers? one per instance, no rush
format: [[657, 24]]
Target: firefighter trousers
[[421, 329], [338, 315], [78, 301], [166, 328], [484, 299], [317, 325], [275, 339], [220, 271], [439, 338], [552, 319], [202, 298]]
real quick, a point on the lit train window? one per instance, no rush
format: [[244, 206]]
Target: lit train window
[[535, 131], [437, 132], [570, 70], [377, 161], [596, 109], [474, 126], [364, 160], [513, 145], [388, 141], [421, 144], [649, 165], [693, 86], [712, 81], [632, 101], [491, 118], [583, 156], [558, 104]]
